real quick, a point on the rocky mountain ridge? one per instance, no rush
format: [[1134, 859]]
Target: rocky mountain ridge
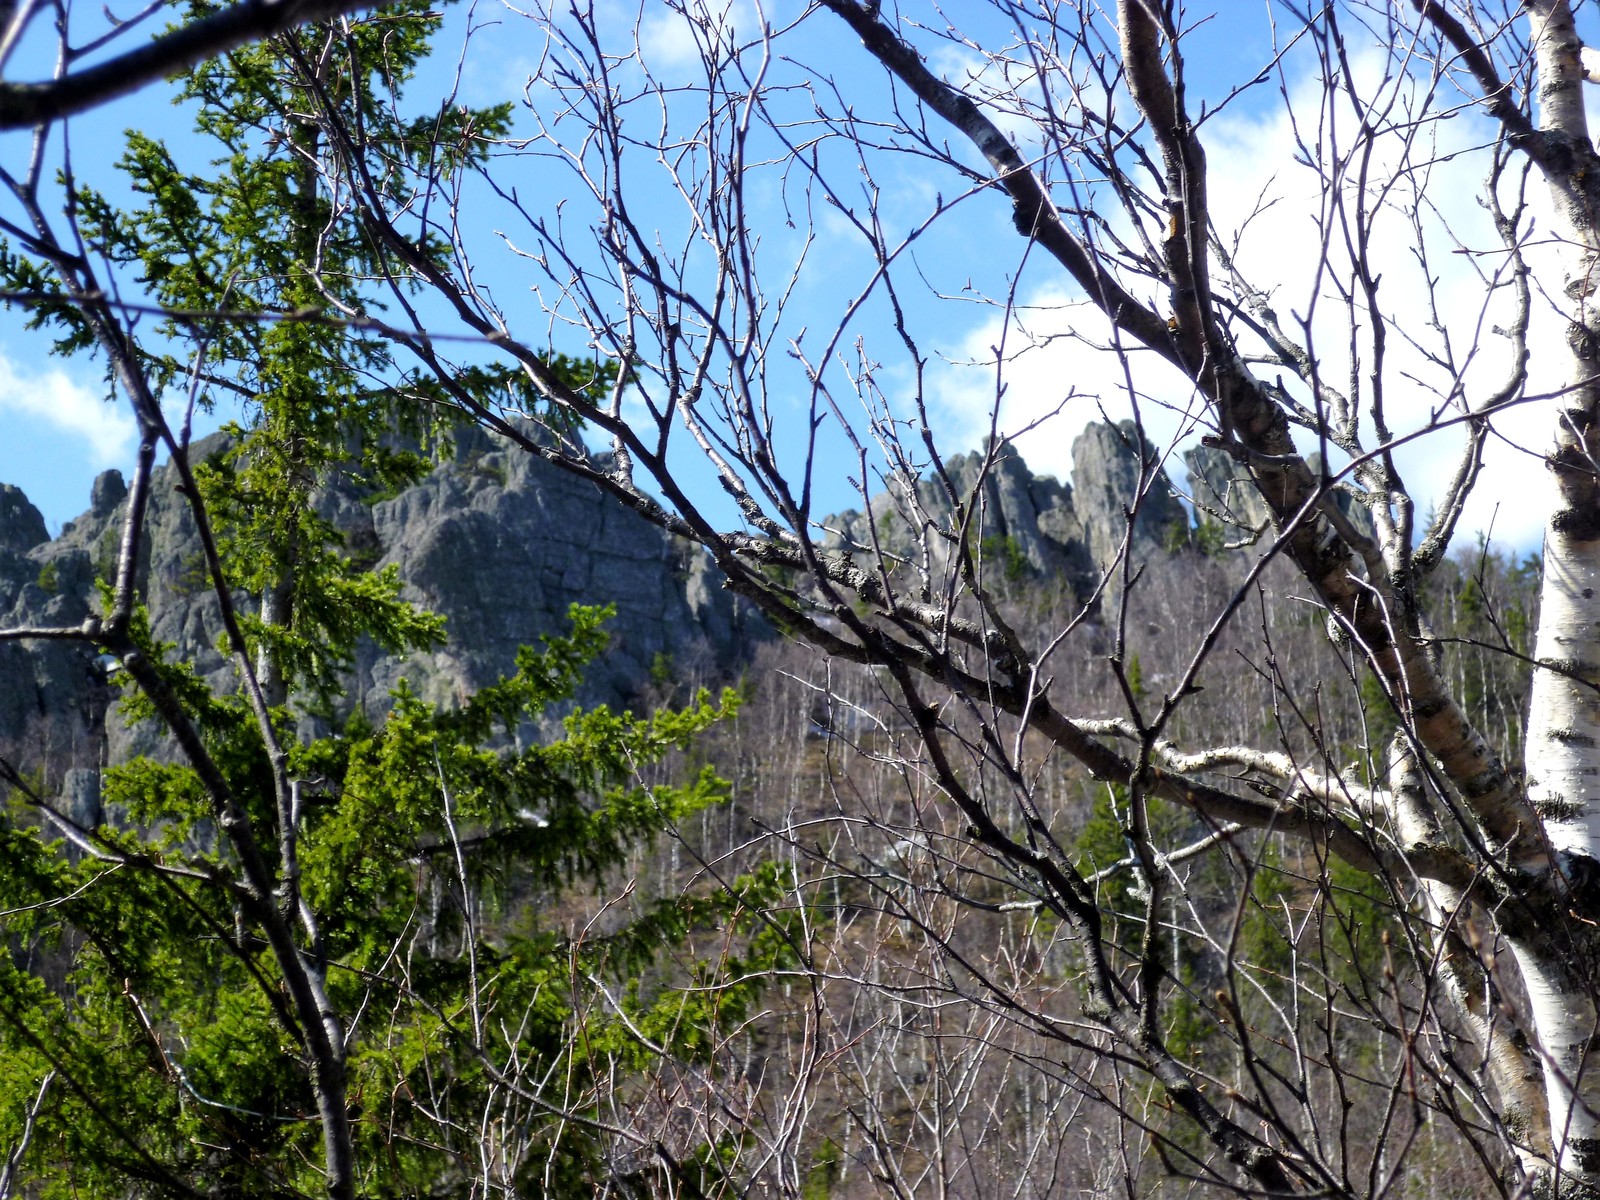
[[497, 541], [1039, 526], [501, 543]]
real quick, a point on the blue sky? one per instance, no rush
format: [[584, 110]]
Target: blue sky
[[56, 428], [60, 432]]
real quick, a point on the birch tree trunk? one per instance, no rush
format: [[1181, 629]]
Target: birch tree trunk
[[1563, 736]]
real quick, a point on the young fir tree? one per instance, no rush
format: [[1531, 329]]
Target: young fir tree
[[346, 989]]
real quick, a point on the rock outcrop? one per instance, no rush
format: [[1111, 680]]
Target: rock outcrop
[[1024, 521], [501, 543], [1107, 473], [52, 693], [21, 526], [497, 541], [1028, 525], [1223, 493]]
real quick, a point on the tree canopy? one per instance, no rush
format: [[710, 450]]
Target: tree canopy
[[289, 964], [725, 263]]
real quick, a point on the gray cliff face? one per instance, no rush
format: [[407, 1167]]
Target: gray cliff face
[[1022, 516], [497, 541], [501, 543], [1030, 524], [1106, 470], [1224, 492], [52, 693], [21, 526]]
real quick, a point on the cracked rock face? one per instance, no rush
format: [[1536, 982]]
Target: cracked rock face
[[1224, 493], [501, 543], [497, 541], [21, 526], [1024, 520], [1030, 526], [1111, 485]]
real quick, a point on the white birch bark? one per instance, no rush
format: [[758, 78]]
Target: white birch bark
[[1517, 1080], [1562, 746], [1563, 763], [1563, 752], [1563, 1016]]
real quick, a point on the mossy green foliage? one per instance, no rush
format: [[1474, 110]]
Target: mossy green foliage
[[1210, 536], [429, 848], [1004, 553], [1136, 677], [443, 853], [825, 1171]]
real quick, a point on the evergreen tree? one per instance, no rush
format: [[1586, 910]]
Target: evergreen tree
[[319, 966]]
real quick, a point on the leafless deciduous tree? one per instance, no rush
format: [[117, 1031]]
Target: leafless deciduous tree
[[683, 186], [1089, 128]]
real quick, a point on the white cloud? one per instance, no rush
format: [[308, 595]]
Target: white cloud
[[673, 36], [105, 431], [1058, 375]]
